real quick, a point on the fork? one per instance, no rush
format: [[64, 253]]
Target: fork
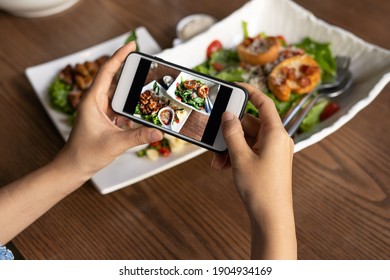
[[330, 93], [342, 70]]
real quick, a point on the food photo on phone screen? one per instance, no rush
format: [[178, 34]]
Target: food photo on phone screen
[[174, 99]]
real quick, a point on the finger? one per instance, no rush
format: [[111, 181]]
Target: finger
[[250, 140], [234, 136], [251, 127], [139, 136], [123, 122], [220, 161], [267, 110], [107, 72]]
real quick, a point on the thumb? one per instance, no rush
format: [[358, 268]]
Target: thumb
[[141, 135], [234, 136]]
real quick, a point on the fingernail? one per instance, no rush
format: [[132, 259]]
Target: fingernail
[[155, 135], [227, 116]]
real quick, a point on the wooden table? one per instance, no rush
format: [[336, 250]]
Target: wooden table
[[341, 185]]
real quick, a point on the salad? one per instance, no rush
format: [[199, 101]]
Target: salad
[[72, 82], [70, 85], [283, 71], [192, 92], [169, 144]]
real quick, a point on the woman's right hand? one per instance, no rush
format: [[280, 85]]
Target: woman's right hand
[[260, 153], [95, 140]]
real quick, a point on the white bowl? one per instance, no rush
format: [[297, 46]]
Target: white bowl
[[172, 115], [192, 25], [37, 8]]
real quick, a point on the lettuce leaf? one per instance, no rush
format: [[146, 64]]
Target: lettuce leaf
[[313, 117], [132, 37], [58, 94], [228, 64], [322, 54]]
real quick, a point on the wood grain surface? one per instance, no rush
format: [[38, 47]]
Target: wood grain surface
[[341, 185]]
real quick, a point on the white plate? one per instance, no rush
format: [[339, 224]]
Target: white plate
[[370, 64], [174, 126], [213, 90], [128, 168]]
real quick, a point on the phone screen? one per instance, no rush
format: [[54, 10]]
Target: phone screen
[[179, 101]]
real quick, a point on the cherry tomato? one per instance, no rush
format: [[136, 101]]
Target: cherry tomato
[[214, 46], [155, 144], [164, 151], [218, 66], [329, 110]]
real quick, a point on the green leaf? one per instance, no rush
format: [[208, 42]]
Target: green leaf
[[225, 57], [283, 106], [58, 94], [132, 37], [313, 117], [232, 74], [322, 54], [205, 68], [251, 109], [245, 29]]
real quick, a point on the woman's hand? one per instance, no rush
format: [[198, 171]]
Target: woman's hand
[[95, 140], [261, 155]]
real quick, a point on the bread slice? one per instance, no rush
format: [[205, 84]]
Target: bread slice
[[299, 74], [258, 51]]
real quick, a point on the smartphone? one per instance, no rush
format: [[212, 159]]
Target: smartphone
[[176, 100]]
